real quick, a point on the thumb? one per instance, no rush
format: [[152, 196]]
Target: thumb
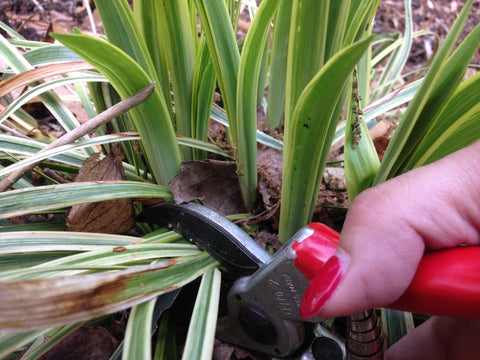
[[387, 230]]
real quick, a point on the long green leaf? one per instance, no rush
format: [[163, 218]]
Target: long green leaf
[[55, 152], [224, 52], [202, 95], [43, 198], [154, 39], [18, 63], [173, 18], [38, 303], [21, 241], [457, 126], [247, 85], [360, 17], [29, 147], [311, 125], [425, 105], [137, 344], [399, 57], [336, 27], [50, 55], [122, 31], [306, 51], [201, 331], [453, 73], [278, 64], [151, 118]]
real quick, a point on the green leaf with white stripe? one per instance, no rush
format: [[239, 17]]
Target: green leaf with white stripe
[[151, 118], [436, 89], [138, 335], [201, 331], [311, 126], [247, 86], [51, 197]]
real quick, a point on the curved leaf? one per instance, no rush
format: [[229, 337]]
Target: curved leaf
[[151, 118], [311, 125]]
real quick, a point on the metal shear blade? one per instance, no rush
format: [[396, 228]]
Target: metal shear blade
[[264, 300]]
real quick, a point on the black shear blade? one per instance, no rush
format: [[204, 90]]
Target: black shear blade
[[236, 251]]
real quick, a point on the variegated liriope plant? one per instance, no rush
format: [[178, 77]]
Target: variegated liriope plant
[[318, 54]]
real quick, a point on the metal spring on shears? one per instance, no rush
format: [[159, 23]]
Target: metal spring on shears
[[364, 336]]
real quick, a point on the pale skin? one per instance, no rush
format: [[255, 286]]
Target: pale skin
[[385, 235]]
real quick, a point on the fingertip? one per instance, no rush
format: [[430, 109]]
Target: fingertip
[[322, 287]]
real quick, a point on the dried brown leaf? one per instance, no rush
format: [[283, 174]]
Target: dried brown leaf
[[214, 183], [111, 217], [27, 77]]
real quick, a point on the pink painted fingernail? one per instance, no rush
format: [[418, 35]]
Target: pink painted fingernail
[[321, 287]]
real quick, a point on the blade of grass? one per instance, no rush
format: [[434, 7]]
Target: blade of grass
[[278, 65], [398, 59], [28, 77], [416, 116], [86, 128], [247, 86], [360, 16], [311, 125], [151, 118], [166, 348], [16, 61], [336, 27], [222, 45], [202, 95], [154, 40], [457, 126], [137, 343], [174, 25], [54, 152], [201, 331], [50, 197], [162, 303], [122, 31], [74, 160], [301, 68]]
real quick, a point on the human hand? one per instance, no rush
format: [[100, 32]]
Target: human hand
[[383, 240]]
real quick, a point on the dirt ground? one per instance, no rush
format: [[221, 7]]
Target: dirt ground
[[33, 17]]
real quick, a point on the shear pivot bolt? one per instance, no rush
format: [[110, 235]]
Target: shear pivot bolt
[[257, 325]]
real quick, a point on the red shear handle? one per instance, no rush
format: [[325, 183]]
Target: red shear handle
[[447, 282]]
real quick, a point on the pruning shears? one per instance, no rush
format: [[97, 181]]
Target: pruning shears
[[266, 292]]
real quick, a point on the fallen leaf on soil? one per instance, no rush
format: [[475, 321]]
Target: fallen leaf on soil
[[87, 343], [212, 182], [111, 217], [223, 351]]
